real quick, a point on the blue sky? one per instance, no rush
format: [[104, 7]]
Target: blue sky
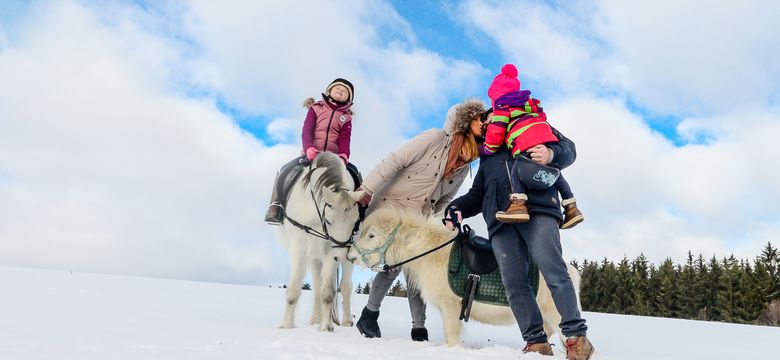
[[142, 138]]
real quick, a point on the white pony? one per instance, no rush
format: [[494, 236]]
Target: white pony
[[416, 234], [319, 219]]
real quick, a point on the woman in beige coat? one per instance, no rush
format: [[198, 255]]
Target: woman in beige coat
[[423, 175]]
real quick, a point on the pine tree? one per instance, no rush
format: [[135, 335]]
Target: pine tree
[[728, 291], [640, 292], [702, 284], [359, 289], [666, 290], [588, 289], [367, 288], [688, 287], [771, 260], [397, 289], [622, 301], [713, 289]]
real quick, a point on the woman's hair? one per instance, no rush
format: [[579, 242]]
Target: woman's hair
[[470, 149], [464, 149]]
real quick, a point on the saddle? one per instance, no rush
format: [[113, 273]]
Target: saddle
[[473, 272], [477, 252]]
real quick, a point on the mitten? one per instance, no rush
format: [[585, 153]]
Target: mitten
[[311, 153]]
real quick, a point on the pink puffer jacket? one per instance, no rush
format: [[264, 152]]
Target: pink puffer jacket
[[328, 127]]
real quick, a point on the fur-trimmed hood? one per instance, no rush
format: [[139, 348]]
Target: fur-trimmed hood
[[460, 115]]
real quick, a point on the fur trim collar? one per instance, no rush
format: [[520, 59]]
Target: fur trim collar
[[459, 116]]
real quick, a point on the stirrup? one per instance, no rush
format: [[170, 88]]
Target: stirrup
[[472, 285]]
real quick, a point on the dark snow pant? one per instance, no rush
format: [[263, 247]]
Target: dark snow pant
[[539, 238]]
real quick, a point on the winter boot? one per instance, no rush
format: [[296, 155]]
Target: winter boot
[[578, 348], [419, 334], [541, 348], [517, 211], [367, 324], [571, 215], [275, 214]]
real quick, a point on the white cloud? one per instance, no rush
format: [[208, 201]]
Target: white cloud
[[673, 58], [106, 171], [640, 193], [108, 165]]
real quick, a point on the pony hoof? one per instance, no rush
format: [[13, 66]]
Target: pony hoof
[[347, 323], [286, 326], [327, 328]]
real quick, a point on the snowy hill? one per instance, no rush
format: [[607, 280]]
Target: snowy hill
[[62, 315]]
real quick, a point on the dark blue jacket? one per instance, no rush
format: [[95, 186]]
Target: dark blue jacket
[[491, 188]]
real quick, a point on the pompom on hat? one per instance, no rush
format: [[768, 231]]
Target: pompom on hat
[[504, 83], [345, 83]]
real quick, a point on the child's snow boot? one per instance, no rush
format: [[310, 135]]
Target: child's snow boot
[[571, 215], [517, 211]]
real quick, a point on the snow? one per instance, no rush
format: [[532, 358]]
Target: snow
[[46, 314]]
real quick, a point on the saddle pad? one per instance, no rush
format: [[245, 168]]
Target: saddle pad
[[491, 289]]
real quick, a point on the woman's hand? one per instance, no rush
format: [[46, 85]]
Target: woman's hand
[[541, 154], [365, 199]]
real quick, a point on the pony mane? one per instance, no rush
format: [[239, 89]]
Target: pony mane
[[332, 177], [421, 229]]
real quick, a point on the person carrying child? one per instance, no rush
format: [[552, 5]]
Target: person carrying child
[[519, 123], [327, 127]]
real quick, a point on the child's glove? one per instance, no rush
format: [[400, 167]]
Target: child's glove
[[344, 158], [311, 153]]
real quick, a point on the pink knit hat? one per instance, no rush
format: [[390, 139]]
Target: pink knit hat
[[503, 83]]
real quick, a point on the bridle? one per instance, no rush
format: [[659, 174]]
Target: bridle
[[382, 250], [322, 234]]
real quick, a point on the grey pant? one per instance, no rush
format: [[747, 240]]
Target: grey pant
[[382, 283]]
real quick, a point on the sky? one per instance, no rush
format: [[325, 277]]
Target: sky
[[142, 138]]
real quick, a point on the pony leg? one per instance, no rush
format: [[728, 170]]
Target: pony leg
[[327, 292], [346, 292], [316, 279], [450, 311], [293, 293]]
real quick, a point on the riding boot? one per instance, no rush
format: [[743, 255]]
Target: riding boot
[[282, 182], [367, 324]]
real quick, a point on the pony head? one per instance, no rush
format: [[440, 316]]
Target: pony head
[[388, 236], [331, 188]]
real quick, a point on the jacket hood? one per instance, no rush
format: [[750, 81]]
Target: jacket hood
[[460, 115]]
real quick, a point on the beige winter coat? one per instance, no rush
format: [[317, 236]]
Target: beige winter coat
[[411, 177]]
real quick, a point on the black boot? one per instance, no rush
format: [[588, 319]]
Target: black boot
[[419, 334], [367, 324], [275, 214]]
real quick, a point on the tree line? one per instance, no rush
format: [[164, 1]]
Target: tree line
[[727, 289]]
